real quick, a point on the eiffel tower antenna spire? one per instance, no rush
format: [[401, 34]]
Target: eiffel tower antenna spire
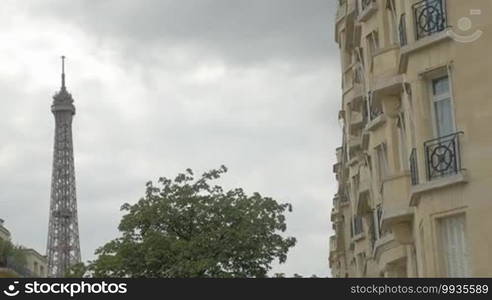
[[63, 71]]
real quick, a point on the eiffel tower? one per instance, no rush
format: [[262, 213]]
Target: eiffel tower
[[63, 248]]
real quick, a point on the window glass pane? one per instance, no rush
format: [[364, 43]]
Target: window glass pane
[[444, 117], [440, 86], [454, 246], [382, 170]]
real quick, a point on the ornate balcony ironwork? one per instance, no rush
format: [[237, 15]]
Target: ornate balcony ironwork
[[379, 211], [443, 156], [430, 17], [344, 199], [414, 168], [358, 225], [366, 3], [342, 9], [373, 110], [402, 30]]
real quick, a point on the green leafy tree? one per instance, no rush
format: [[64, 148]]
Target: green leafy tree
[[77, 271], [6, 250], [187, 227], [9, 251]]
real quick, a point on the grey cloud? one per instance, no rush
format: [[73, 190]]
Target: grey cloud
[[241, 31]]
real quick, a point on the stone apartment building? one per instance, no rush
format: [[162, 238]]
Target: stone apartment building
[[414, 170], [35, 264]]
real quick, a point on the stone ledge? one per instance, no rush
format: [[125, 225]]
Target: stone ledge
[[358, 237], [368, 12], [377, 122], [388, 85], [417, 190], [420, 44], [383, 244], [396, 216]]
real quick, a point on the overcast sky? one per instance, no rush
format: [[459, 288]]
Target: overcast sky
[[163, 85]]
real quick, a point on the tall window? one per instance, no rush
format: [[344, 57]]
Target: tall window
[[372, 46], [382, 169], [392, 21], [454, 246], [442, 103], [402, 133], [377, 219], [421, 248]]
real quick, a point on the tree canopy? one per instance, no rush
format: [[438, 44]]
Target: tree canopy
[[188, 227], [12, 252]]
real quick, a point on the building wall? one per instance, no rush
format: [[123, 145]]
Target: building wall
[[412, 236], [4, 233], [36, 264]]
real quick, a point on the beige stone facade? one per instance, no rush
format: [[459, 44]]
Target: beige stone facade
[[35, 264], [414, 170]]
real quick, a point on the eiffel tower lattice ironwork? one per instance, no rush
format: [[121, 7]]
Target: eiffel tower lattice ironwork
[[63, 248]]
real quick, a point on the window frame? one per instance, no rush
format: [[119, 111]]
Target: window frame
[[393, 22], [373, 45], [403, 142], [441, 259], [433, 100], [382, 172]]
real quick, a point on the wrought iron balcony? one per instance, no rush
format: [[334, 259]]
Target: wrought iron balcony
[[333, 243], [366, 9], [342, 9], [366, 3], [430, 17], [379, 211], [414, 168], [443, 156], [402, 30], [376, 226], [358, 225], [373, 110]]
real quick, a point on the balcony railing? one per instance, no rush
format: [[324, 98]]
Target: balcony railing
[[344, 199], [333, 243], [443, 156], [379, 211], [358, 225], [365, 4], [402, 30], [430, 17], [342, 8], [414, 168], [373, 110], [377, 232]]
